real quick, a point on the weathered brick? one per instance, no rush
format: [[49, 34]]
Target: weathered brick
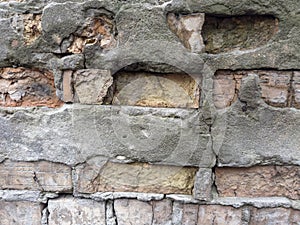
[[20, 213], [160, 90], [136, 177], [91, 85], [226, 87], [259, 181], [133, 212], [68, 95], [45, 176], [275, 87], [223, 34], [188, 29], [162, 212], [274, 216], [27, 87], [76, 211], [219, 215]]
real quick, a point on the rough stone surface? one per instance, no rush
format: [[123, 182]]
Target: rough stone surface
[[91, 85], [158, 90], [217, 215], [259, 181], [137, 177], [162, 212], [133, 212], [44, 176], [188, 29], [203, 184], [75, 133], [274, 216], [27, 87], [223, 34], [248, 129], [190, 214], [20, 213], [296, 87], [73, 211], [255, 120]]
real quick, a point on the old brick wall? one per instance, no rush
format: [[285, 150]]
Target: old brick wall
[[159, 112]]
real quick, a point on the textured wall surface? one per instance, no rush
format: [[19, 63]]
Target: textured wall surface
[[159, 112]]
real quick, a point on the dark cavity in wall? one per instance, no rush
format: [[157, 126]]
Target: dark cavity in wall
[[224, 34]]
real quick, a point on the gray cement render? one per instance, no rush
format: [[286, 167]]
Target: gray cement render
[[73, 134]]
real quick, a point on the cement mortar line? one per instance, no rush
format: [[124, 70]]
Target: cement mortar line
[[236, 202]]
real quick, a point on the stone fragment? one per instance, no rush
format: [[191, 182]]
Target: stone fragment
[[91, 85], [74, 211], [203, 184], [27, 87], [263, 136], [20, 213], [259, 181], [296, 87], [223, 34], [44, 176], [274, 216], [188, 29], [135, 177], [32, 27], [76, 133], [161, 90], [219, 215], [162, 212], [275, 87], [130, 212], [95, 31]]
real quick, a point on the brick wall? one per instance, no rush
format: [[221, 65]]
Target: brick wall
[[149, 112]]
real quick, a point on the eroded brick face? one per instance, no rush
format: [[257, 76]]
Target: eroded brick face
[[275, 88], [226, 88], [156, 90], [44, 176], [259, 181], [223, 34], [96, 31], [136, 177], [278, 88], [27, 87]]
